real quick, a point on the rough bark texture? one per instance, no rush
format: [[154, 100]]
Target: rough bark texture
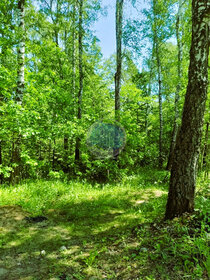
[[178, 88], [119, 17], [184, 167], [79, 113], [172, 146], [21, 52]]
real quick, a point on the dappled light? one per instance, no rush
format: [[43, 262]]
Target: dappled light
[[86, 231], [104, 128]]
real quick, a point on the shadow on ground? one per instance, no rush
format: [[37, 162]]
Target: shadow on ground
[[86, 240]]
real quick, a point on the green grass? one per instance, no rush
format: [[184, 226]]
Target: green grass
[[110, 231]]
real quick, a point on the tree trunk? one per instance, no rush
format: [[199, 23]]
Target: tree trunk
[[74, 53], [156, 46], [160, 108], [21, 52], [119, 17], [204, 153], [16, 158], [186, 153], [147, 102], [147, 111], [79, 112], [172, 146], [178, 88], [53, 155], [73, 59], [1, 103], [49, 150]]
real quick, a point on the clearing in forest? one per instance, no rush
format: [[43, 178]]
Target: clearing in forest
[[89, 231]]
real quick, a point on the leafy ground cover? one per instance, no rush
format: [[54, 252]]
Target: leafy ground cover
[[101, 231]]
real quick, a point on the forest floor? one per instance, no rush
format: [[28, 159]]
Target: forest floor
[[101, 231]]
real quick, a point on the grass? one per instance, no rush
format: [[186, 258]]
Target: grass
[[101, 231]]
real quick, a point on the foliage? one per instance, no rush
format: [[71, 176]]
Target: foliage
[[47, 120], [108, 213]]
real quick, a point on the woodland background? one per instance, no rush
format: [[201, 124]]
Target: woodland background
[[44, 126]]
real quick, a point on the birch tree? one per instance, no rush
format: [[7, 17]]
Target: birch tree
[[21, 52], [118, 22], [178, 87], [157, 28], [16, 146], [156, 47], [119, 18], [79, 100], [183, 173]]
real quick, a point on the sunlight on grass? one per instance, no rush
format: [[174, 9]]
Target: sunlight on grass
[[99, 226], [41, 196]]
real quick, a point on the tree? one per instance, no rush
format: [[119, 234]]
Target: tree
[[79, 104], [156, 47], [72, 55], [183, 173], [16, 152], [118, 21], [21, 52], [157, 28], [178, 88], [119, 17]]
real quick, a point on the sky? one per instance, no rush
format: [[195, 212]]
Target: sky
[[105, 26], [105, 29]]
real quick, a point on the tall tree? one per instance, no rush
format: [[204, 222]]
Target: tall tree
[[73, 66], [156, 47], [72, 60], [178, 87], [21, 52], [79, 104], [7, 70], [118, 22], [16, 146], [183, 173], [74, 50], [119, 18], [157, 27]]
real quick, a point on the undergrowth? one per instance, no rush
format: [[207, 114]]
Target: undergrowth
[[109, 231]]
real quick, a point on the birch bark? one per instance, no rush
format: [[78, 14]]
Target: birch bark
[[184, 168]]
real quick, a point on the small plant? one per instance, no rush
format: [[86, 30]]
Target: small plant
[[91, 259], [56, 175]]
